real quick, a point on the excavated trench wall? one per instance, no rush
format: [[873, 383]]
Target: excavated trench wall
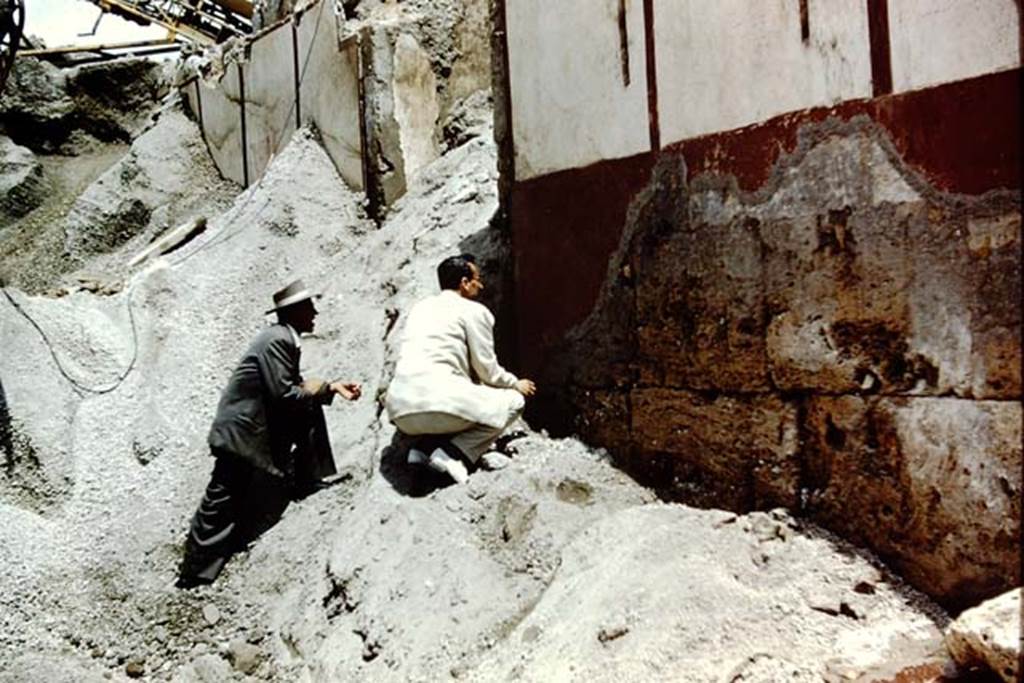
[[772, 258]]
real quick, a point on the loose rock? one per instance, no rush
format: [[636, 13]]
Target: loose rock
[[989, 634], [211, 614], [243, 656]]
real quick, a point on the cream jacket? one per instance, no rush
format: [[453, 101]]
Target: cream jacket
[[448, 343]]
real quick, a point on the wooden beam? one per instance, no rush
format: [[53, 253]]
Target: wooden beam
[[98, 47]]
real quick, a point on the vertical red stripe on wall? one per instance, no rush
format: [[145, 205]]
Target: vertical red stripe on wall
[[295, 76], [652, 76], [878, 35], [505, 138]]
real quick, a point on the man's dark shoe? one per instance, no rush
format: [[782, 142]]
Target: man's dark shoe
[[185, 582]]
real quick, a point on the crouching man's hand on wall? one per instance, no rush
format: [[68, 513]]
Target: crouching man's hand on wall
[[526, 387]]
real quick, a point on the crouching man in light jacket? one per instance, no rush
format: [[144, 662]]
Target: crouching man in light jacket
[[447, 380]]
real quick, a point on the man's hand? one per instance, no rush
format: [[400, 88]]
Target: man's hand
[[526, 387], [349, 391]]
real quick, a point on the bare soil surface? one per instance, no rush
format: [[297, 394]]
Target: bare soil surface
[[32, 255]]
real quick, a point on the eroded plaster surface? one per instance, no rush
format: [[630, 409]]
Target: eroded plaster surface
[[844, 340], [325, 59], [222, 124], [416, 105]]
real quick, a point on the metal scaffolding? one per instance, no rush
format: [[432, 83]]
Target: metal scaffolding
[[203, 22], [199, 21]]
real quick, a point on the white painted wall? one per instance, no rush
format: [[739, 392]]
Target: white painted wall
[[416, 107], [730, 63], [329, 94], [270, 98], [570, 106], [329, 98], [222, 124], [938, 41]]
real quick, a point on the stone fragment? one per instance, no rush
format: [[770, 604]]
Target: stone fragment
[[211, 614], [207, 668], [610, 633], [243, 656], [492, 460], [135, 668], [933, 484], [989, 634]]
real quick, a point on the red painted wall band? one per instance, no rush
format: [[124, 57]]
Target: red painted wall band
[[962, 137]]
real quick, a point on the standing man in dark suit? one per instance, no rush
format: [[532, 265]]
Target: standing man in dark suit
[[269, 422]]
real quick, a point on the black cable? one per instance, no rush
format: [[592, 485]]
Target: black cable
[[60, 366], [225, 237]]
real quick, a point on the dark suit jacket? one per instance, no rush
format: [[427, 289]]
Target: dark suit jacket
[[265, 416], [6, 447]]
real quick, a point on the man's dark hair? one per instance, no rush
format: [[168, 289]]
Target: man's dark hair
[[451, 271]]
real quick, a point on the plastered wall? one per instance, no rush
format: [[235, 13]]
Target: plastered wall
[[220, 118], [799, 283], [330, 95], [723, 65], [579, 82], [937, 41], [703, 88], [270, 101]]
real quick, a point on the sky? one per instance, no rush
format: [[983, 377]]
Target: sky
[[59, 21]]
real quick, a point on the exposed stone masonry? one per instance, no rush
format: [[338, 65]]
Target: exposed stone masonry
[[844, 341]]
